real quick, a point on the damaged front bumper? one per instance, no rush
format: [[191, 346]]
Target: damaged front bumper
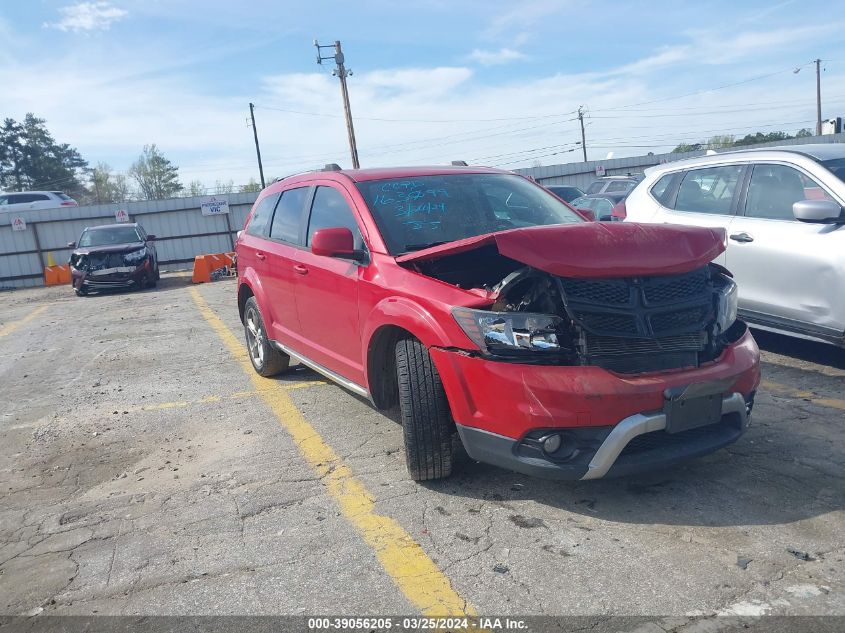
[[117, 277], [610, 424]]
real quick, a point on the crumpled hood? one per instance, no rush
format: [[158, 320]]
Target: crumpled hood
[[110, 248], [596, 249]]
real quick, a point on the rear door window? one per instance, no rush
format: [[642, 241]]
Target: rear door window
[[288, 217], [258, 224], [709, 190], [773, 189], [595, 187], [330, 210]]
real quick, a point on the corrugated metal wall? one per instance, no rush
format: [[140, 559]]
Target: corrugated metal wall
[[582, 174], [181, 230]]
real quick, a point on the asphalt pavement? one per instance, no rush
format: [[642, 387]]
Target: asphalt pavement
[[145, 469]]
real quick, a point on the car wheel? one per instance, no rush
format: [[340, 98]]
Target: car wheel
[[426, 421], [266, 359], [153, 280], [158, 272], [81, 292]]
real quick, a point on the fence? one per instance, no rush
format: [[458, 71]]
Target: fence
[[582, 174], [181, 231]]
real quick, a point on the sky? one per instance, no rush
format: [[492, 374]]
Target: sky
[[489, 82]]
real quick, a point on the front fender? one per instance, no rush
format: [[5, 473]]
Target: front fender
[[408, 315]]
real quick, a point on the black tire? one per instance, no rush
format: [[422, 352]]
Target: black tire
[[265, 359], [153, 280], [158, 272], [426, 420], [81, 292]]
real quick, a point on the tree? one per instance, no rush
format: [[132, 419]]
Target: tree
[[156, 176], [720, 141], [687, 147], [252, 186], [196, 188], [106, 187], [224, 187], [804, 132], [31, 159]]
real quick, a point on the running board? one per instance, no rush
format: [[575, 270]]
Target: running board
[[328, 373]]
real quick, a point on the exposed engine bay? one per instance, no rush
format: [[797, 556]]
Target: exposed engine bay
[[104, 263], [625, 324]]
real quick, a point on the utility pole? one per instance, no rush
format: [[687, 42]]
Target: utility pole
[[257, 149], [583, 137], [818, 97], [341, 73]]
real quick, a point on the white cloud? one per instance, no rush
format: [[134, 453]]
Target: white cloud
[[495, 58], [87, 16]]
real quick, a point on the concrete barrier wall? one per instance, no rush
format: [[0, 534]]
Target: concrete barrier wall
[[181, 231]]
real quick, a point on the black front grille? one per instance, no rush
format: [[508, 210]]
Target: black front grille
[[604, 291], [641, 324], [675, 288], [608, 322], [645, 363], [99, 261], [600, 346], [695, 317]]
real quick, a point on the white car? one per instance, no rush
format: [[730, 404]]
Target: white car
[[29, 200], [783, 209]]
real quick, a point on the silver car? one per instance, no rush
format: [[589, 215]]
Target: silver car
[[783, 211]]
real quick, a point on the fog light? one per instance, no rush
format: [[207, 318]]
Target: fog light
[[551, 443]]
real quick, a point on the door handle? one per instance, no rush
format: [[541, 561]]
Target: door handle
[[260, 256], [302, 270], [742, 237]]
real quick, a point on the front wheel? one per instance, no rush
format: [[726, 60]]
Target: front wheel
[[266, 359], [427, 423]]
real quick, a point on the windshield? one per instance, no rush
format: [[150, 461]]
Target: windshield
[[109, 235], [836, 167], [414, 213]]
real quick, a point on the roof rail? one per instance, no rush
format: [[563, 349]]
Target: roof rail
[[460, 163], [331, 167]]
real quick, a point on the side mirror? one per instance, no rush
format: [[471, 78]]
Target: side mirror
[[588, 214], [335, 242], [71, 244], [151, 238], [821, 211]]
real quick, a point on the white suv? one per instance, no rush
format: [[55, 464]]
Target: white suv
[[783, 209], [28, 200]]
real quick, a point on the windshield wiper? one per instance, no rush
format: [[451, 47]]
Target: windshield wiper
[[418, 247]]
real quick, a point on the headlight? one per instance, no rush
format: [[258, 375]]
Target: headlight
[[728, 298], [135, 256], [508, 333]]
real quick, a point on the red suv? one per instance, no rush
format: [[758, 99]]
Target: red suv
[[484, 305]]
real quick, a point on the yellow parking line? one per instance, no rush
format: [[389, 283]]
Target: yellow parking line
[[416, 575], [238, 395], [785, 390], [14, 325]]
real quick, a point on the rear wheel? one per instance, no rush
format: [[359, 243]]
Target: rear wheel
[[266, 359], [426, 421]]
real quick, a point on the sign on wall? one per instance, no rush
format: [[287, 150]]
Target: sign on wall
[[600, 170], [214, 205], [18, 224], [121, 215]]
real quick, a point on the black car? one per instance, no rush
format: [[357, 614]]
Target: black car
[[113, 256], [567, 193]]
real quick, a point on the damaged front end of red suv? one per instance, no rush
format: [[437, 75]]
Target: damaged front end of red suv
[[602, 348]]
